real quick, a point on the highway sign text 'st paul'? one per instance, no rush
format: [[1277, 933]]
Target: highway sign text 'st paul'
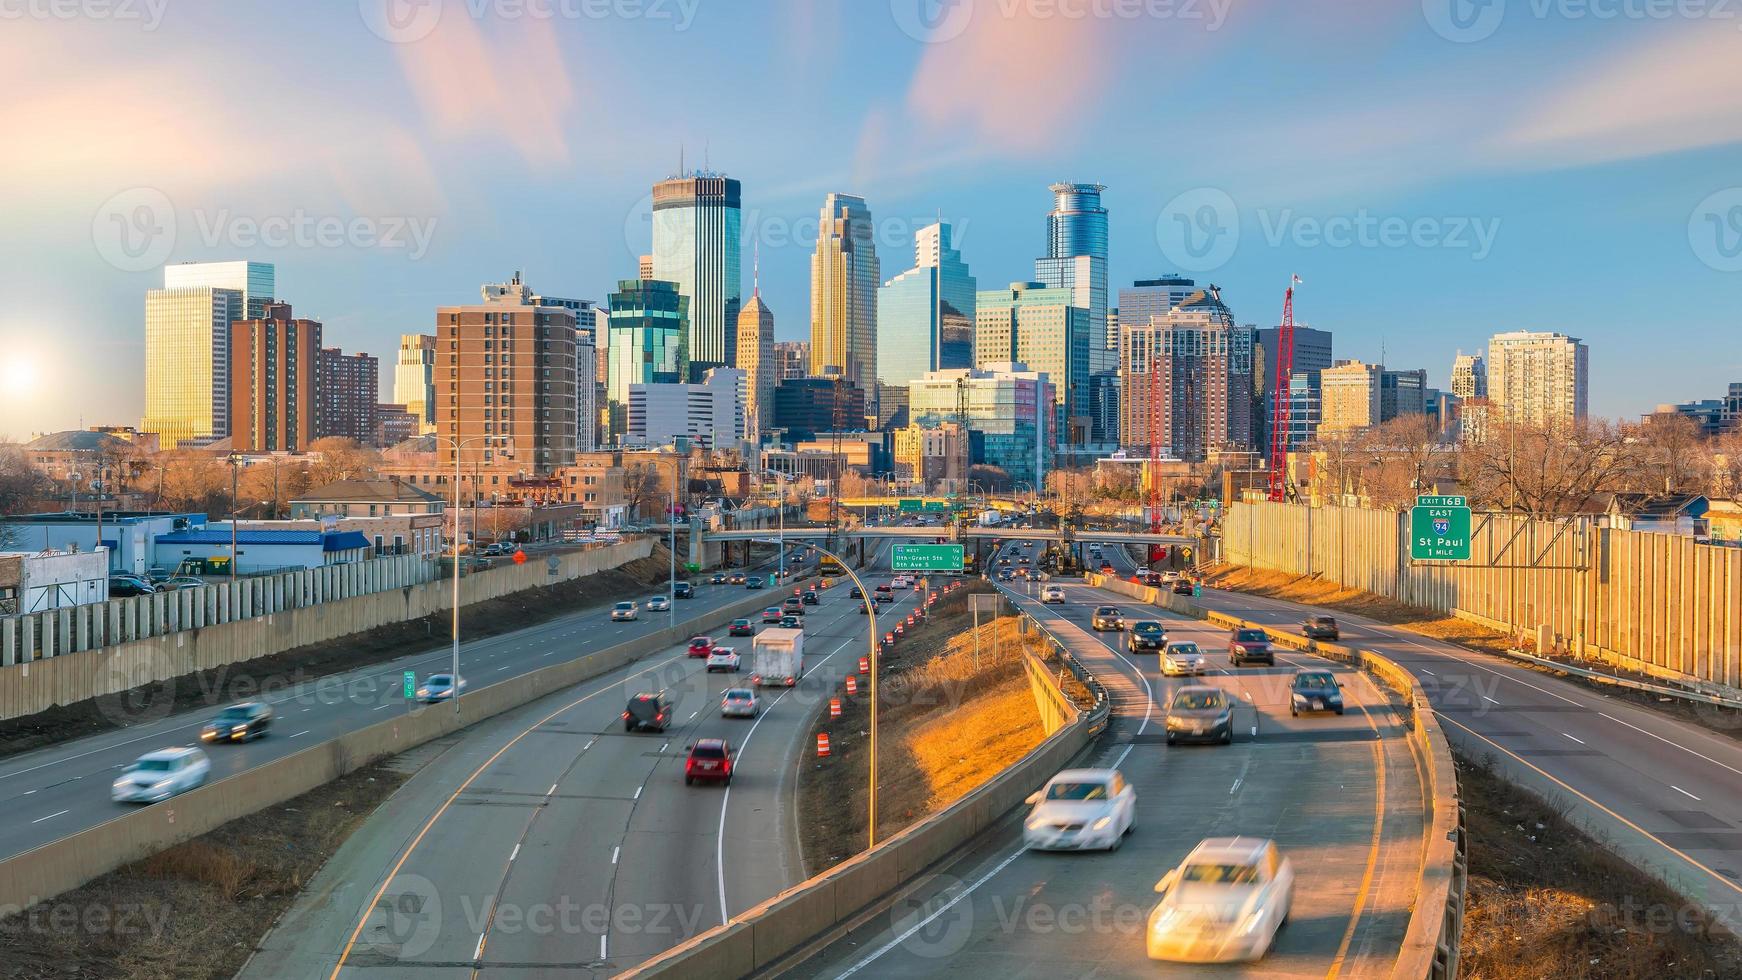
[[1439, 528]]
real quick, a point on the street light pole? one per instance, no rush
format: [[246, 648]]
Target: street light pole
[[234, 459], [458, 444]]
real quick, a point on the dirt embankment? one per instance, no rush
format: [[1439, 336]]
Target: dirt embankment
[[950, 717], [197, 910], [239, 682]]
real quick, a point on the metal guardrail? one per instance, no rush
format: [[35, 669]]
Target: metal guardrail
[[1100, 714], [1597, 675]]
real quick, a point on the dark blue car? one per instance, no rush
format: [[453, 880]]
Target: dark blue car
[[1314, 690]]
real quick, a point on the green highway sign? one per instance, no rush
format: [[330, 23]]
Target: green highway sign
[[910, 504], [927, 558], [1439, 529], [410, 683], [936, 505]]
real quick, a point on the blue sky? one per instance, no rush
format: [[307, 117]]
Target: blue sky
[[1435, 171]]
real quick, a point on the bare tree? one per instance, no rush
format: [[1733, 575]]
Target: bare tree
[[1723, 457], [1403, 457], [193, 481], [1669, 451], [1544, 470], [338, 458], [643, 489]]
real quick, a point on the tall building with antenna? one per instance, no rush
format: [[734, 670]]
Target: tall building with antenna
[[756, 358], [697, 229], [1076, 259]]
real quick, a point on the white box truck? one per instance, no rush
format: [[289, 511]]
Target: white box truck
[[777, 658], [990, 518]]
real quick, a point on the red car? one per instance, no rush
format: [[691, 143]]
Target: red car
[[701, 646], [711, 759]]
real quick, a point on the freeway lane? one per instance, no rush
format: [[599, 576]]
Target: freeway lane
[[1340, 795], [1664, 792], [54, 792]]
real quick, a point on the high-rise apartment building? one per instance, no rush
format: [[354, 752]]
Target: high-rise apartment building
[[710, 414], [1146, 298], [1186, 380], [1469, 377], [505, 386], [844, 280], [1537, 378], [696, 244], [586, 388], [649, 321], [756, 359], [1009, 409], [256, 281], [347, 395], [1402, 393], [394, 425], [1350, 397], [1076, 260], [1041, 327], [275, 381], [414, 378], [792, 359], [925, 316], [187, 363]]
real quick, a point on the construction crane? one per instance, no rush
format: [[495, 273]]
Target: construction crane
[[1279, 413]]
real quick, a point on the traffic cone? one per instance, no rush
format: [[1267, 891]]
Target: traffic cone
[[834, 707], [822, 744]]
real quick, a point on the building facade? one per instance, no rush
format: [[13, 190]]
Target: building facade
[[414, 378], [187, 363], [844, 279], [1076, 260], [1040, 326], [394, 424], [1469, 377], [1010, 409], [756, 359], [804, 407], [1402, 393], [1537, 378], [1186, 380], [792, 359], [275, 382], [256, 281], [697, 233], [348, 390], [925, 316], [933, 455], [1350, 399], [586, 388], [710, 414], [649, 326]]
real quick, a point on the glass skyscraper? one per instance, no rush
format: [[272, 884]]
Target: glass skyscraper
[[187, 363], [649, 321], [1005, 405], [1076, 259], [925, 316], [254, 280], [844, 280], [1042, 327], [414, 378], [697, 231]]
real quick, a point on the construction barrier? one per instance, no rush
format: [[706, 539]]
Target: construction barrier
[[822, 744]]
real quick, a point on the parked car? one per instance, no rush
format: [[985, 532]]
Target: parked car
[[1053, 593], [1320, 628], [156, 573], [649, 710], [1146, 634], [440, 687], [709, 759], [623, 612], [126, 586], [701, 646], [238, 723], [1314, 690], [659, 603], [771, 614], [178, 582], [1182, 658], [739, 702], [1200, 713], [1107, 618], [1250, 645], [160, 775], [1079, 809], [684, 590], [741, 627], [1223, 903], [722, 658]]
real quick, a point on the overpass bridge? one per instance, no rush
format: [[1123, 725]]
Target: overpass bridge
[[961, 533]]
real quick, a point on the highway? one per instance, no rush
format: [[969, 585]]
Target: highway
[[57, 791], [549, 842], [1340, 795]]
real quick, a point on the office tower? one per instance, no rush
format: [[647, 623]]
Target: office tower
[[274, 381], [891, 407], [601, 374], [505, 386], [1350, 397], [806, 406], [254, 280], [792, 359], [710, 414], [414, 378], [1312, 354], [1007, 408], [1402, 393], [756, 359], [1305, 408], [696, 237], [348, 389], [844, 279], [187, 363], [1103, 402], [1537, 378], [925, 316], [649, 323], [1469, 377], [1147, 298], [1194, 364], [1076, 259], [932, 455], [1041, 327], [586, 389]]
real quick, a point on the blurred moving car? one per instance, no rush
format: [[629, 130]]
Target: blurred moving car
[[659, 603], [1250, 645], [742, 627], [771, 614], [710, 759], [439, 687], [736, 578], [809, 598], [1080, 809], [719, 578], [792, 606], [684, 590], [1224, 902], [1146, 634], [1314, 690], [1182, 658], [722, 658], [791, 623], [1107, 618], [238, 723], [701, 646], [739, 702], [624, 611], [1320, 628], [1200, 713], [1053, 593], [650, 710], [1182, 586], [160, 775], [753, 582]]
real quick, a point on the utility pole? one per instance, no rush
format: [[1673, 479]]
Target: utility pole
[[234, 460]]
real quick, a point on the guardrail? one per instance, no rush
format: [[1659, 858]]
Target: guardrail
[[1431, 940]]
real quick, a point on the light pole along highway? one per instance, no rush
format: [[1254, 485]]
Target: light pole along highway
[[458, 444]]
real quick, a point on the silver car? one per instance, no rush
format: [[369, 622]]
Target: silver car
[[623, 612], [1182, 658], [1080, 809], [658, 603], [1200, 713], [739, 702], [1224, 902], [160, 775]]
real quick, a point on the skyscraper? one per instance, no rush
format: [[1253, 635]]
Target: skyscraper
[[187, 363], [1147, 298], [1076, 259], [925, 316], [1350, 397], [709, 413], [1043, 328], [1537, 378], [1006, 406], [1194, 364], [586, 388], [414, 378], [274, 381], [254, 280], [844, 279], [649, 320], [696, 239], [756, 359], [347, 395], [1469, 377], [792, 359]]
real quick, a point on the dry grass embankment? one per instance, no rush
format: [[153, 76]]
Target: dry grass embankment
[[949, 721], [1545, 900], [197, 910]]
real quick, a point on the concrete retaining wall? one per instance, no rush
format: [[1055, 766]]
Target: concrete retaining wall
[[49, 870]]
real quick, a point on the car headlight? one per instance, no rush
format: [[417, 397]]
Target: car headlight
[[1103, 823], [1036, 823], [423, 692], [1251, 921], [1299, 696], [1167, 918]]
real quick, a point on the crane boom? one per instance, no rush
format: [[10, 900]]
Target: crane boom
[[1279, 413]]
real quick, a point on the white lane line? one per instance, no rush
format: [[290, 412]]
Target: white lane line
[[1666, 741], [662, 748], [1427, 672], [515, 854], [1678, 789], [551, 791], [300, 734], [693, 714], [602, 946], [614, 852], [1489, 699], [503, 668], [1574, 738], [638, 790], [31, 792], [382, 707], [1236, 787], [940, 910], [476, 953], [51, 816], [589, 744]]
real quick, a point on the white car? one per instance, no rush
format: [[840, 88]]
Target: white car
[[739, 702], [900, 582], [1170, 577], [160, 775], [1182, 658], [1223, 903], [723, 658], [439, 687], [659, 603], [1052, 593], [623, 612], [1079, 809]]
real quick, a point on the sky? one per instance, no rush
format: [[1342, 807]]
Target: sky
[[1434, 171]]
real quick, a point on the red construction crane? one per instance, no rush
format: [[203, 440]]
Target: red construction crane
[[1279, 414]]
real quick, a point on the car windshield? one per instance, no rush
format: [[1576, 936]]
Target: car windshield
[[625, 605], [1147, 627], [233, 714], [1322, 621], [439, 680], [1314, 682], [1220, 874], [699, 641], [152, 765], [1197, 700], [1186, 649], [1107, 611], [737, 694], [1251, 636], [1077, 791], [709, 752]]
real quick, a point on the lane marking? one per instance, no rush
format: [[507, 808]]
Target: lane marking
[[601, 946], [1574, 738], [1236, 787], [479, 952], [51, 816], [667, 745], [383, 706], [1666, 741], [614, 852], [514, 854], [301, 733], [1489, 699], [928, 920], [1372, 861], [1687, 794], [551, 791], [638, 790]]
